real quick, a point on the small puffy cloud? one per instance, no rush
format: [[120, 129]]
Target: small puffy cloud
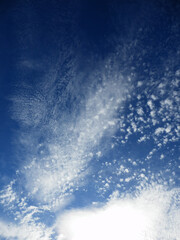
[[150, 104], [177, 73], [159, 130], [140, 111]]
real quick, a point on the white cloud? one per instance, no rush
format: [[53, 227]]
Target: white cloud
[[22, 220], [8, 196], [150, 104], [56, 175], [25, 231], [159, 130], [151, 215], [177, 73], [57, 165], [139, 84], [140, 111]]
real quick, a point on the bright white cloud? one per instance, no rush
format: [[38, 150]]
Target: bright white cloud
[[152, 215]]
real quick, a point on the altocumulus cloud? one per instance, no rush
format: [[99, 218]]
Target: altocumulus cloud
[[55, 175], [57, 165], [79, 139]]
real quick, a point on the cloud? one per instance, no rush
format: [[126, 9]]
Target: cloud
[[8, 196], [153, 214], [24, 231], [22, 220], [58, 135], [58, 165]]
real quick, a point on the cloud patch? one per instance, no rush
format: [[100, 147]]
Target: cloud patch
[[153, 214]]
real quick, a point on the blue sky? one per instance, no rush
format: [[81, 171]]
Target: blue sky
[[89, 104]]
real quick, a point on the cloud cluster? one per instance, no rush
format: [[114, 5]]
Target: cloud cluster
[[153, 213], [24, 231], [56, 165], [60, 146], [91, 131]]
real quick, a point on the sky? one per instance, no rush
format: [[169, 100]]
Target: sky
[[89, 120]]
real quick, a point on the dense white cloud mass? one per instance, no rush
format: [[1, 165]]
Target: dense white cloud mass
[[152, 215]]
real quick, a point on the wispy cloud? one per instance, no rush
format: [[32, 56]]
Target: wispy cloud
[[24, 231], [58, 150], [63, 169], [59, 146], [22, 219]]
